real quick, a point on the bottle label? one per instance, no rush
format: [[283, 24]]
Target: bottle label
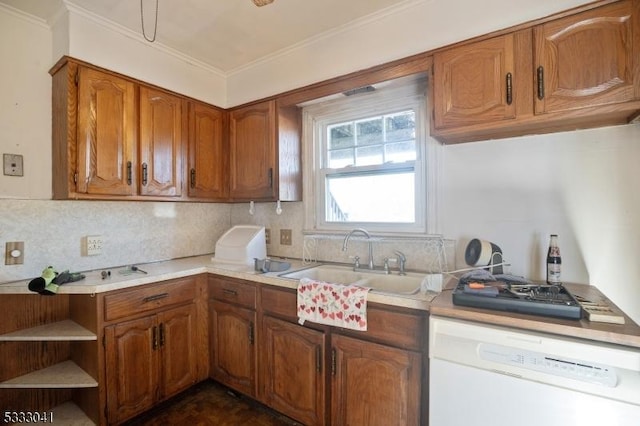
[[553, 273]]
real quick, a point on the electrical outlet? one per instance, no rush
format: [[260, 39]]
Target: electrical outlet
[[93, 245], [285, 237], [14, 253], [13, 165], [267, 236]]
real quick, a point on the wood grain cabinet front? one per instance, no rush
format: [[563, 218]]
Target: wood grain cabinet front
[[148, 360], [264, 153], [579, 70]]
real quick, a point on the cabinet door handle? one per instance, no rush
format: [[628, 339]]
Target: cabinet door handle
[[540, 82], [128, 172], [318, 359], [161, 331], [270, 177], [144, 174], [334, 362], [509, 88], [192, 181], [229, 292], [155, 297], [251, 338], [154, 343]]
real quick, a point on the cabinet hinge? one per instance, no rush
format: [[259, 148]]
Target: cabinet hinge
[[76, 78], [104, 341], [75, 177]]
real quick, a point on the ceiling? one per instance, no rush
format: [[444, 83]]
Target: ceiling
[[224, 34]]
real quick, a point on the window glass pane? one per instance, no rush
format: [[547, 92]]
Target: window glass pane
[[370, 131], [351, 199], [401, 126], [340, 158], [341, 136], [370, 155], [400, 152]]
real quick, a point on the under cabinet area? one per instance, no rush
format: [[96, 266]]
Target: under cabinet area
[[49, 350], [577, 71]]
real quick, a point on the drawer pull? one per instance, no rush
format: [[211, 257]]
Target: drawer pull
[[155, 297], [229, 292]]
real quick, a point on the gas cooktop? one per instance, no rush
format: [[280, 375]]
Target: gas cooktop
[[537, 299]]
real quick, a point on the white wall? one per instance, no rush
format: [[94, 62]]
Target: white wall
[[581, 185]]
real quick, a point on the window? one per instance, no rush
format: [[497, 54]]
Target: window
[[366, 161]]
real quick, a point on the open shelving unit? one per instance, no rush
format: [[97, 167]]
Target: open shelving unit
[[47, 351]]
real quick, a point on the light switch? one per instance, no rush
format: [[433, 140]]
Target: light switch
[[13, 165]]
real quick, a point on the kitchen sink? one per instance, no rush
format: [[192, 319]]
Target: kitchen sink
[[378, 282]]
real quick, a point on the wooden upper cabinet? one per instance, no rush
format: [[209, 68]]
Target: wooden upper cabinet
[[252, 149], [264, 153], [106, 134], [207, 153], [473, 83], [588, 59], [160, 168]]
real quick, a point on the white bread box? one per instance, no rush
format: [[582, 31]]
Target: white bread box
[[241, 244]]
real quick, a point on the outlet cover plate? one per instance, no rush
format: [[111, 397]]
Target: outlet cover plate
[[94, 245], [13, 165], [285, 237]]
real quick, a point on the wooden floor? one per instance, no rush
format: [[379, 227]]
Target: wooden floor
[[210, 403]]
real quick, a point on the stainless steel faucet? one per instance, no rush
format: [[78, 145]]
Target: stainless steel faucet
[[402, 260], [366, 234]]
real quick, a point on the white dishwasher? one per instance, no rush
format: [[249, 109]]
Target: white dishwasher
[[481, 374]]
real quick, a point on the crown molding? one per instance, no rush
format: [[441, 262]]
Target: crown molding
[[17, 13], [122, 30]]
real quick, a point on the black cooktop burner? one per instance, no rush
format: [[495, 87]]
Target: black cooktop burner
[[537, 299]]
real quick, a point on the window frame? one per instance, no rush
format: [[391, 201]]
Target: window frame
[[385, 100]]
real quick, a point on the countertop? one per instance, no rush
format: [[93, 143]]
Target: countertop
[[441, 304], [627, 334], [123, 277]]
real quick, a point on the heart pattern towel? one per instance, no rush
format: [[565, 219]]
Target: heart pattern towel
[[332, 304]]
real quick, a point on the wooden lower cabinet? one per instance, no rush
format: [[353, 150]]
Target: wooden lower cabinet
[[233, 349], [293, 370], [148, 360], [374, 384]]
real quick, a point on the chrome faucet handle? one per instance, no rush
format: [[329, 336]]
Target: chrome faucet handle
[[402, 259], [356, 262], [386, 265]]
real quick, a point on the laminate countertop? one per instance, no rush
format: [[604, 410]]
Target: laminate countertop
[[440, 304], [123, 277], [627, 334]]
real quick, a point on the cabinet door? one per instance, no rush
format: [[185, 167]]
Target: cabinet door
[[207, 153], [374, 384], [588, 59], [252, 149], [106, 132], [160, 143], [132, 349], [474, 83], [177, 340], [233, 353], [293, 370]]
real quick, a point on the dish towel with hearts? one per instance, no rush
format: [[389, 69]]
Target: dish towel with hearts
[[332, 304]]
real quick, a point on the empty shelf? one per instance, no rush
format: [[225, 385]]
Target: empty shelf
[[63, 375]]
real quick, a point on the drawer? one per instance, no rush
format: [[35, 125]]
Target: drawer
[[233, 291], [149, 298], [399, 327], [281, 302]]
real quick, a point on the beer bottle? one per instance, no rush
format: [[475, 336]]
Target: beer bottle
[[554, 261]]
